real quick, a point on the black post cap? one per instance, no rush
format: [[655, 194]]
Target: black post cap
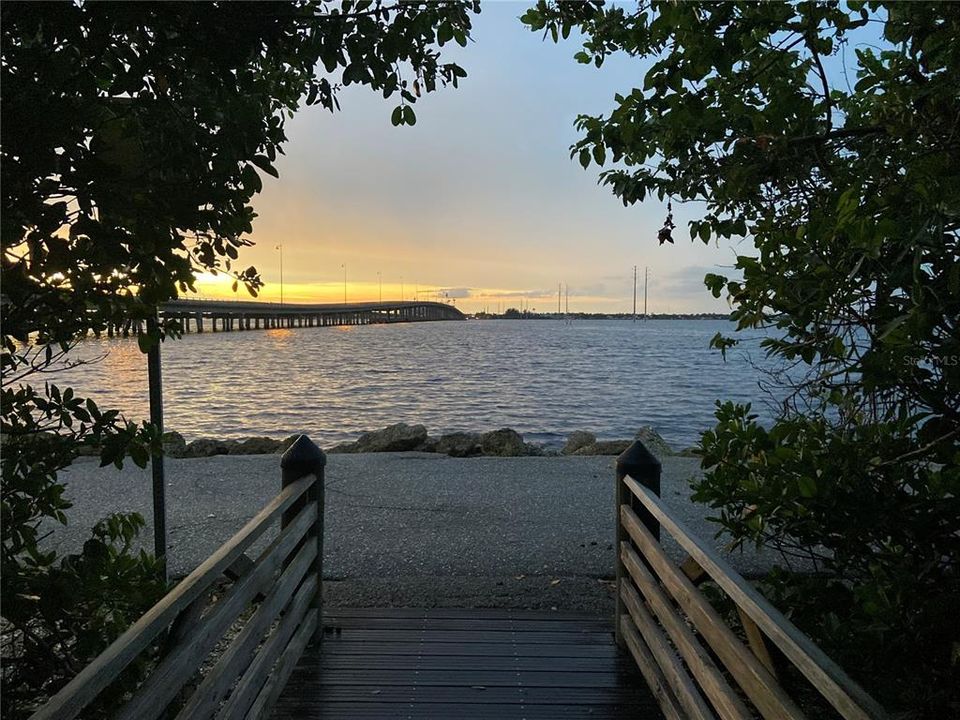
[[303, 457], [637, 462]]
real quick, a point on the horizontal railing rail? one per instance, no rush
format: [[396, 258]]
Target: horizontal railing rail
[[691, 658], [276, 598]]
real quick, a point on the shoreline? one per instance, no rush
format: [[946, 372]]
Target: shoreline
[[400, 437]]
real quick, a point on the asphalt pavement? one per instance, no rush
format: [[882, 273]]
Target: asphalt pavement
[[412, 529]]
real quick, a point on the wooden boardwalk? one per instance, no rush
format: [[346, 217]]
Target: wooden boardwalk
[[447, 663]]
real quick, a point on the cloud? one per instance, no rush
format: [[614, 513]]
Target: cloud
[[688, 281], [536, 294], [458, 292]]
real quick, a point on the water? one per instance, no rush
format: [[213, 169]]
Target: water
[[542, 378]]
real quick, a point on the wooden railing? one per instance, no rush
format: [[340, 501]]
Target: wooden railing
[[275, 598], [695, 664]]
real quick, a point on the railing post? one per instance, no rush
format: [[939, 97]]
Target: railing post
[[301, 459], [640, 464]]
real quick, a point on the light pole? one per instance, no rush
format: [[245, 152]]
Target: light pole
[[344, 266], [280, 248], [401, 288], [380, 282]]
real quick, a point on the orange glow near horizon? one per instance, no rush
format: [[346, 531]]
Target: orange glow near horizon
[[494, 300]]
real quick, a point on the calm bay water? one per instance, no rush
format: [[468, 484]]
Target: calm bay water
[[542, 378]]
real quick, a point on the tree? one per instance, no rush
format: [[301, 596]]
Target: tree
[[133, 140], [848, 189]]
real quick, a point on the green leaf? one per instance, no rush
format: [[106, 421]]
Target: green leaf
[[807, 486], [262, 162]]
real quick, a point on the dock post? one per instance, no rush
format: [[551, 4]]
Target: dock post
[[301, 459], [640, 464]]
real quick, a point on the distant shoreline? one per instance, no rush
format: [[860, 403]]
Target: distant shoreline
[[513, 314]]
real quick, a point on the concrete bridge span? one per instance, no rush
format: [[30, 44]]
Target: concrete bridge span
[[227, 315]]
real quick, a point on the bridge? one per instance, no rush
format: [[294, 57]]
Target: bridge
[[227, 315]]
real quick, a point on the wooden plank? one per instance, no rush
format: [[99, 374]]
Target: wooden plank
[[284, 667], [757, 641], [256, 674], [239, 567], [405, 676], [755, 638], [90, 681], [621, 496], [446, 711], [332, 660], [684, 688], [181, 628], [166, 680], [238, 655], [478, 614], [691, 568], [469, 695], [726, 702], [467, 636], [845, 695], [404, 623], [651, 672], [507, 650], [762, 689]]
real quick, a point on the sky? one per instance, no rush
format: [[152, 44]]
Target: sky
[[479, 200]]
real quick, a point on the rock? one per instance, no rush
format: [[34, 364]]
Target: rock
[[255, 446], [428, 446], [88, 450], [459, 444], [503, 443], [534, 450], [576, 440], [653, 442], [208, 447], [394, 438], [604, 447], [350, 447], [174, 445]]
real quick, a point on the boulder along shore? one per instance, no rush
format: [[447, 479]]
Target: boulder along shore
[[401, 437]]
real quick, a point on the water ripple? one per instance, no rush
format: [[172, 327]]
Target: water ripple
[[543, 378]]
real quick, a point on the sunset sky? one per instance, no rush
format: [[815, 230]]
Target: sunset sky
[[479, 199]]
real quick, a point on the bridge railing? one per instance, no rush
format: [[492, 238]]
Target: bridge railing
[[267, 614], [695, 664]]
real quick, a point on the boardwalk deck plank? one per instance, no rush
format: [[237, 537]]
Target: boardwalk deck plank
[[470, 664]]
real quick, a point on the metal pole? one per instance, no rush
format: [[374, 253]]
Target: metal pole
[[154, 376], [646, 279], [280, 248], [344, 266], [380, 281], [634, 293]]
